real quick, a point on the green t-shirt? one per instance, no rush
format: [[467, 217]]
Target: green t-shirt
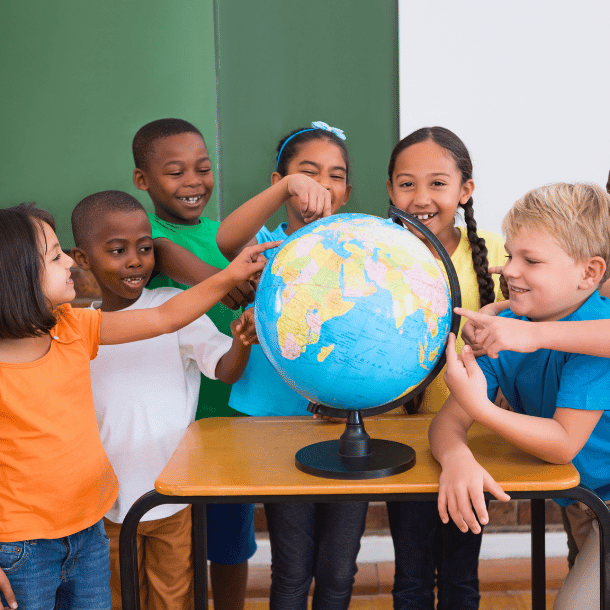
[[200, 239]]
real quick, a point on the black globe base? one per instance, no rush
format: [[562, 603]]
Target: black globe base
[[355, 455], [324, 460]]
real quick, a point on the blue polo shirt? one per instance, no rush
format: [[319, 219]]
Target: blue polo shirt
[[537, 383]]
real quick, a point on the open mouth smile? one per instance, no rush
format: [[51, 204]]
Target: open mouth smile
[[133, 281], [191, 200], [422, 217]]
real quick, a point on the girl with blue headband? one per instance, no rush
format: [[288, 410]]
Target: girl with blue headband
[[308, 540]]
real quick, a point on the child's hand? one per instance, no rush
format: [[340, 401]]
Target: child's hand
[[460, 488], [470, 328], [7, 590], [465, 379], [249, 262], [240, 296], [494, 334], [503, 285], [313, 197], [244, 329]]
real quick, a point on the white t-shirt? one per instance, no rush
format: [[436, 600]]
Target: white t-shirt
[[145, 396]]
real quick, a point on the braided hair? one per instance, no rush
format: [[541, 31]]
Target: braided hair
[[451, 143]]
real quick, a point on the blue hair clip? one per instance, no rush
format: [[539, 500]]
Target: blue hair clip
[[326, 127], [315, 125]]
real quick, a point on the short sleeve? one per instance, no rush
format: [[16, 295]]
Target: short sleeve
[[202, 342], [79, 323], [584, 383]]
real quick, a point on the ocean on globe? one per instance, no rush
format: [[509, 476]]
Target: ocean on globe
[[353, 311]]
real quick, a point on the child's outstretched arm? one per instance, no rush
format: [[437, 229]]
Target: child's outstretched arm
[[184, 267], [137, 324], [494, 334], [240, 227], [555, 440]]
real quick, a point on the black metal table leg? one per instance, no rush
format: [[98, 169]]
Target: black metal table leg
[[128, 550], [200, 556], [538, 554]]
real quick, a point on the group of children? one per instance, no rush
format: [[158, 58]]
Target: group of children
[[89, 396]]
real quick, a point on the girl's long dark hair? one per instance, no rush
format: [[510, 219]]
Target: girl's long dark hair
[[24, 310]]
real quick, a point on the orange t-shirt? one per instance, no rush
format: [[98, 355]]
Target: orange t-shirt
[[55, 478]]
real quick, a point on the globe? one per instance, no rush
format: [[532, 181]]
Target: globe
[[353, 311]]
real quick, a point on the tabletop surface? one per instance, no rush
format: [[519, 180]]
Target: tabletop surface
[[225, 456]]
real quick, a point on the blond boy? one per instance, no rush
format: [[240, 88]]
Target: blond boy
[[558, 245]]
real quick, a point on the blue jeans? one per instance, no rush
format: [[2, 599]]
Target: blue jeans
[[61, 573], [318, 541], [430, 553]]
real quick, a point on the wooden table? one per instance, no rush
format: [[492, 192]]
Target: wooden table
[[251, 459]]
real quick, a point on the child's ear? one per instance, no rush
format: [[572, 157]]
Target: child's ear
[[80, 258], [139, 179], [348, 192], [467, 190], [388, 185], [275, 178], [594, 270]]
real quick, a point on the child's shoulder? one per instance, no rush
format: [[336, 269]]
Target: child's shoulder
[[69, 317], [154, 297], [279, 234], [205, 225]]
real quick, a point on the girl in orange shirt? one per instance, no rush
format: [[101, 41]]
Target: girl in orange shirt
[[56, 482]]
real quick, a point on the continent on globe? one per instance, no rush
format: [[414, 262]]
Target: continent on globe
[[353, 311]]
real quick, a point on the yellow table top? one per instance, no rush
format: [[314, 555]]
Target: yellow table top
[[254, 456]]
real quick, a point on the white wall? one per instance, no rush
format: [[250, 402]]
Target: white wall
[[525, 84]]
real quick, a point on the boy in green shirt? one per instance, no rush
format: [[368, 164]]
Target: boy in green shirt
[[173, 165]]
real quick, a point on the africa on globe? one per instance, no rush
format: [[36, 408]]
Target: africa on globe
[[353, 311]]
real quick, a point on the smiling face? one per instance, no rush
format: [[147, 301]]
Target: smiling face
[[179, 178], [323, 161], [56, 283], [120, 256], [427, 184], [544, 281]]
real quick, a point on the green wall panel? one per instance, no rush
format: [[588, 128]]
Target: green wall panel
[[79, 77], [281, 65]]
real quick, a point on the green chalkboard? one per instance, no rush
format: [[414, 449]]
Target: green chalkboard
[[281, 65], [79, 77]]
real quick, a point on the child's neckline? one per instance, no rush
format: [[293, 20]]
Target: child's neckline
[[25, 351]]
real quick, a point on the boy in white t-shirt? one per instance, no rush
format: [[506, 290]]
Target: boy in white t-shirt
[[145, 396]]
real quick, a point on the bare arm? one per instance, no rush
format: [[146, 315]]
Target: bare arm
[[182, 266], [241, 226], [494, 334], [463, 480], [555, 440], [137, 324]]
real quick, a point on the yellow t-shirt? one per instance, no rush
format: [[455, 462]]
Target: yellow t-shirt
[[436, 393], [55, 478]]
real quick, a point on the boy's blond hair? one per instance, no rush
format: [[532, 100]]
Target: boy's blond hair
[[577, 216]]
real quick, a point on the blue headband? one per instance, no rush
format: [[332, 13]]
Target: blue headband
[[315, 125]]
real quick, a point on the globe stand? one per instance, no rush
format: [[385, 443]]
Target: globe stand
[[355, 455]]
